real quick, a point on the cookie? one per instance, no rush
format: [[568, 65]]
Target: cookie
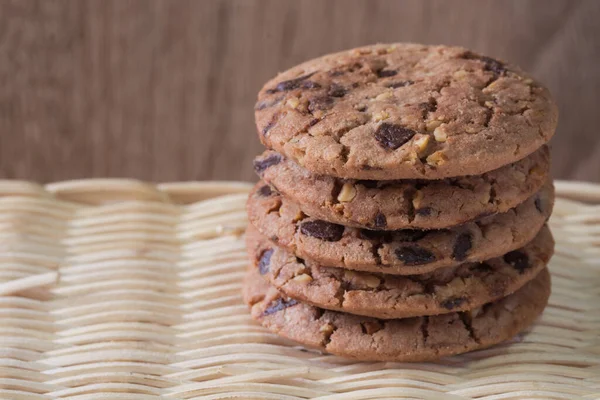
[[445, 290], [403, 252], [407, 339], [404, 111], [406, 204]]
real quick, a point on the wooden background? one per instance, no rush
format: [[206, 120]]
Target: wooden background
[[164, 90]]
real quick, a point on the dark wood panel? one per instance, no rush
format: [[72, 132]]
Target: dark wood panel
[[164, 90]]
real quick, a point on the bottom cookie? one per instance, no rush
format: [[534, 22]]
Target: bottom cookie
[[408, 339]]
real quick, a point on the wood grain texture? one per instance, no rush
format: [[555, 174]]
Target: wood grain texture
[[164, 90]]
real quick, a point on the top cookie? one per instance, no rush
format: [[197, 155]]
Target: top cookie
[[404, 111]]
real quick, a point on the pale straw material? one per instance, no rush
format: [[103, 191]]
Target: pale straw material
[[116, 289]]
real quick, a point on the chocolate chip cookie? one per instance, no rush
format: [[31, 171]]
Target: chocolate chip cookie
[[413, 204], [404, 111], [445, 290], [402, 252], [408, 339]]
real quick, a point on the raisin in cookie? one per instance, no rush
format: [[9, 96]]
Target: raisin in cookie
[[406, 204], [402, 252], [407, 339], [404, 111], [445, 290]]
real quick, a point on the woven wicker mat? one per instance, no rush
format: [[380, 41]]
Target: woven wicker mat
[[115, 289]]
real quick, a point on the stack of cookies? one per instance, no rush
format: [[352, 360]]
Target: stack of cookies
[[401, 213]]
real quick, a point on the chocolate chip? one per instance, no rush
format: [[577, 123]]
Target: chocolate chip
[[429, 107], [336, 90], [278, 305], [399, 84], [265, 191], [380, 221], [492, 65], [538, 204], [384, 73], [453, 302], [361, 108], [518, 260], [414, 255], [313, 122], [291, 84], [322, 230], [408, 235], [320, 103], [424, 212], [463, 244], [393, 136], [264, 261], [369, 234], [260, 165], [310, 85]]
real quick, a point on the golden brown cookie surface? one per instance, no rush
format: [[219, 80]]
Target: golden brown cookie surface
[[404, 111]]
